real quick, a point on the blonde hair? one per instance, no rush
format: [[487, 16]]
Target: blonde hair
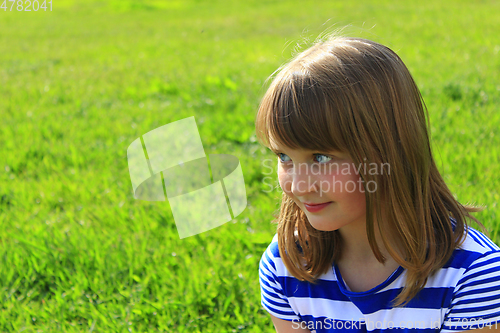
[[357, 96]]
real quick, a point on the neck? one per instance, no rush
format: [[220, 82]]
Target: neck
[[358, 265], [356, 247]]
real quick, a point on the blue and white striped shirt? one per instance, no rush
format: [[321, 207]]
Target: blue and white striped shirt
[[464, 294]]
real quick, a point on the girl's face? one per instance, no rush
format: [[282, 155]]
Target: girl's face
[[326, 186]]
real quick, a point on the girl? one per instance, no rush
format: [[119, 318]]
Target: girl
[[369, 236]]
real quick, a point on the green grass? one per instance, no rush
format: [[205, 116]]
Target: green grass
[[80, 83]]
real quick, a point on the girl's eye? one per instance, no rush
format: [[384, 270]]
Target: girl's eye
[[320, 158], [283, 158]]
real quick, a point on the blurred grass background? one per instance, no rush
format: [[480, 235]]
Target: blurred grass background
[[79, 83]]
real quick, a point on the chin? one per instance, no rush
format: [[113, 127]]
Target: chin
[[323, 226]]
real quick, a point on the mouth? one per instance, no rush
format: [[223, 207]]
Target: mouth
[[316, 207]]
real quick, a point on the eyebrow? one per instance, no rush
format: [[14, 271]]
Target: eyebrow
[[277, 151]]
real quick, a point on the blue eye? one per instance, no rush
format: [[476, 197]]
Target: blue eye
[[320, 158], [283, 158]]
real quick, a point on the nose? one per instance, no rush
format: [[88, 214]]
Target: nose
[[303, 182]]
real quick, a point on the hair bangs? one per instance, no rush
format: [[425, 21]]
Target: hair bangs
[[295, 112]]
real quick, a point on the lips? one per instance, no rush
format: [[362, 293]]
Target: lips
[[316, 207]]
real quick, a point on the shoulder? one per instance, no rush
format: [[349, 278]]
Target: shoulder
[[272, 276], [476, 259], [270, 262], [476, 292], [273, 248], [475, 247], [478, 242], [480, 259]]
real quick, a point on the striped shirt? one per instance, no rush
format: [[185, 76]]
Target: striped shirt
[[463, 295]]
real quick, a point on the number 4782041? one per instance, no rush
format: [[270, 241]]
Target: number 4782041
[[26, 5]]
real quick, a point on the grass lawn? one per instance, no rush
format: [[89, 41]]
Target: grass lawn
[[79, 83]]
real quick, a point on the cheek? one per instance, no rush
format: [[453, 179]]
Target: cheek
[[358, 197], [285, 180], [349, 188]]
